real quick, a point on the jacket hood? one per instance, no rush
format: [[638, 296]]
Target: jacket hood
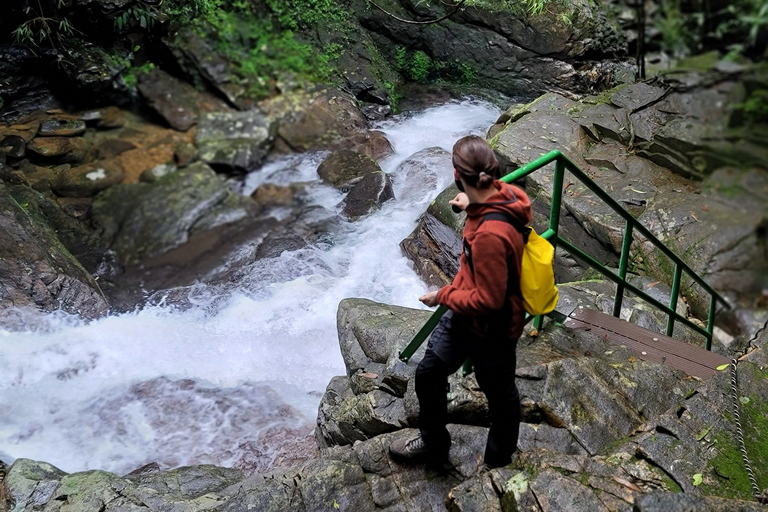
[[508, 199]]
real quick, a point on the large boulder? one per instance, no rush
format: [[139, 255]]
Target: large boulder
[[36, 269], [368, 195], [320, 119], [176, 101], [142, 220], [712, 225], [235, 141]]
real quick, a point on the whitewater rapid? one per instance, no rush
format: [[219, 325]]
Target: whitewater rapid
[[214, 385]]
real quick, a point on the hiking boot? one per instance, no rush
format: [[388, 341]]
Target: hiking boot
[[413, 449]]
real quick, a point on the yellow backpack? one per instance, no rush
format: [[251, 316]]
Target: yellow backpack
[[537, 272]]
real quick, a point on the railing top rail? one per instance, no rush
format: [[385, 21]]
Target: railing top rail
[[555, 155]]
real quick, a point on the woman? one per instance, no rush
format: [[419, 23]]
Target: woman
[[485, 313]]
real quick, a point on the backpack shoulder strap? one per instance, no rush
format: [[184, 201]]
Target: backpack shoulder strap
[[524, 230]]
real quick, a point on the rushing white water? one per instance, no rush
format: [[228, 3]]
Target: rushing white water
[[226, 384]]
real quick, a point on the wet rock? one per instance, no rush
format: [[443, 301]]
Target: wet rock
[[88, 180], [157, 172], [435, 245], [36, 271], [160, 215], [108, 148], [423, 172], [344, 168], [373, 143], [269, 194], [106, 118], [368, 195], [174, 100], [61, 128], [61, 149], [13, 146], [321, 119], [184, 154], [237, 141]]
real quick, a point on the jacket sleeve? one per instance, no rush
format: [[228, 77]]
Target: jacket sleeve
[[487, 295]]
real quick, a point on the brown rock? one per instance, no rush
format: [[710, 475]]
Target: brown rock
[[87, 180], [184, 154], [62, 127], [270, 194], [108, 148], [173, 99], [343, 168], [373, 143], [77, 207], [63, 149]]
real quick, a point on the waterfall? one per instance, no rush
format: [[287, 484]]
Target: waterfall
[[240, 373]]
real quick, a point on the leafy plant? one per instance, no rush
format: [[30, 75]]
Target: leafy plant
[[755, 108], [420, 66], [41, 27]]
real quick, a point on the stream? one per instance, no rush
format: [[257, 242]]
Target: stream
[[234, 379]]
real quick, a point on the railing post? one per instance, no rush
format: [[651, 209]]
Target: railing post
[[711, 320], [673, 298], [554, 214], [626, 243]]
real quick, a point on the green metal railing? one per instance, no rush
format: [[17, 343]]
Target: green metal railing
[[562, 163]]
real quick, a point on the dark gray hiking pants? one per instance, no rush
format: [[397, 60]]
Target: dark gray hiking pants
[[494, 361]]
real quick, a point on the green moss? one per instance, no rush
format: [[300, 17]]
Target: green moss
[[579, 413], [729, 477], [605, 96]]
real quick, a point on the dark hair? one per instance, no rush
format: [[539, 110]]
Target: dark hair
[[475, 162]]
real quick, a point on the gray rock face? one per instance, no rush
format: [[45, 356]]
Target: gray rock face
[[320, 119], [717, 236], [176, 101], [344, 168], [435, 245], [142, 220], [234, 140], [514, 56], [36, 270], [368, 195]]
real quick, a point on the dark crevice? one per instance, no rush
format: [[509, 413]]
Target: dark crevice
[[663, 430]]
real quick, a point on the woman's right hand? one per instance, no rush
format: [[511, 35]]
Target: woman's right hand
[[461, 201]]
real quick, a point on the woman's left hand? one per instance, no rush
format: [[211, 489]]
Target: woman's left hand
[[430, 299]]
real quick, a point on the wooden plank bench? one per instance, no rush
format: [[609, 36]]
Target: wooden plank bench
[[646, 344]]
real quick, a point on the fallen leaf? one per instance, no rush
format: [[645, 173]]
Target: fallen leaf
[[697, 479], [722, 367], [653, 284], [705, 208], [694, 216], [638, 191], [626, 483], [632, 359], [534, 333]]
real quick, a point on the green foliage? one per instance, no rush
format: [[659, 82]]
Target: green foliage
[[261, 53], [144, 16], [40, 27], [301, 14], [420, 66], [688, 28], [467, 74], [755, 108], [131, 75]]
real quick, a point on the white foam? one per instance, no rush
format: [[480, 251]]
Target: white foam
[[71, 392]]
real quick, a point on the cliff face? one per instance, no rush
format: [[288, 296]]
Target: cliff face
[[97, 51]]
